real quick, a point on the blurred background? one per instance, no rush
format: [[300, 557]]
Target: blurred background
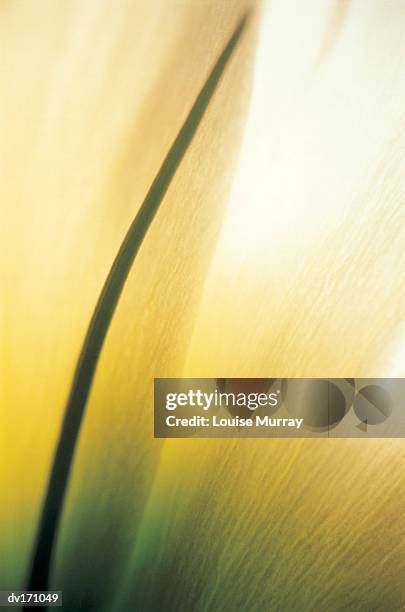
[[278, 251]]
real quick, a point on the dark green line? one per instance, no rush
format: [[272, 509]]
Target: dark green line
[[100, 322]]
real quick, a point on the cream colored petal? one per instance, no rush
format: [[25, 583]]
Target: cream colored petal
[[307, 280], [95, 94]]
